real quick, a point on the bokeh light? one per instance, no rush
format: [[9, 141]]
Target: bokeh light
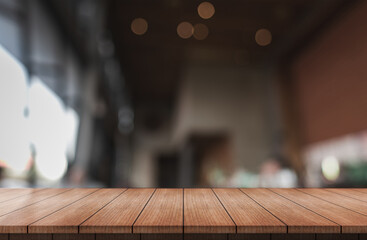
[[201, 31], [185, 30], [330, 168], [206, 10], [263, 37], [14, 138], [48, 116], [139, 26]]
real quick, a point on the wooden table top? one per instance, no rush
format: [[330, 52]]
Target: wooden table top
[[152, 211]]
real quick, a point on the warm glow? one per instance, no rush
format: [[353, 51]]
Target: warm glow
[[139, 26], [206, 10], [263, 37], [201, 31], [185, 30]]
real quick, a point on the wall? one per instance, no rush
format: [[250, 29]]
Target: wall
[[330, 79], [227, 99]]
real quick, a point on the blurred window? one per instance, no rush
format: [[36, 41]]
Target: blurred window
[[14, 141]]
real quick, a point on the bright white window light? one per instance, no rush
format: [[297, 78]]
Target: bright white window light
[[48, 131], [330, 168], [72, 126], [14, 139]]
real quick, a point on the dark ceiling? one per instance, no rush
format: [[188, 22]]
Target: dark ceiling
[[152, 62]]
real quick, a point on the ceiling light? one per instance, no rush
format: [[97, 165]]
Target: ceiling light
[[206, 10], [139, 26], [263, 37], [185, 30]]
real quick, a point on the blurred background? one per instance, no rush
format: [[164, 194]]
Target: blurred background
[[183, 93]]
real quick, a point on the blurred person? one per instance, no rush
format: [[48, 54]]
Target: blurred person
[[274, 175]]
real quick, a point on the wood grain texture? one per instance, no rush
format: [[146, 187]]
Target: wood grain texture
[[120, 215], [73, 237], [86, 214], [340, 200], [203, 213], [68, 219], [297, 218], [351, 222], [352, 193], [28, 199], [163, 213], [9, 194], [248, 215], [118, 236], [18, 221]]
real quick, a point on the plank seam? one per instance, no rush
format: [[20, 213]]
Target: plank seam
[[225, 209], [357, 190], [264, 208], [35, 202], [101, 208], [132, 226], [37, 190], [331, 203], [346, 195], [61, 208], [340, 227]]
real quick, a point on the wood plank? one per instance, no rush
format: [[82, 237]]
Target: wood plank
[[203, 213], [17, 221], [69, 218], [363, 190], [16, 192], [118, 236], [73, 237], [161, 236], [120, 215], [30, 237], [248, 215], [4, 236], [297, 218], [29, 199], [2, 190], [351, 222], [213, 236], [337, 236], [352, 193], [249, 237], [343, 201], [293, 237], [163, 213]]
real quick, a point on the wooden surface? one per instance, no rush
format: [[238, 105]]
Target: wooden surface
[[295, 216], [120, 215], [248, 216], [203, 213], [68, 219], [196, 213], [163, 213]]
